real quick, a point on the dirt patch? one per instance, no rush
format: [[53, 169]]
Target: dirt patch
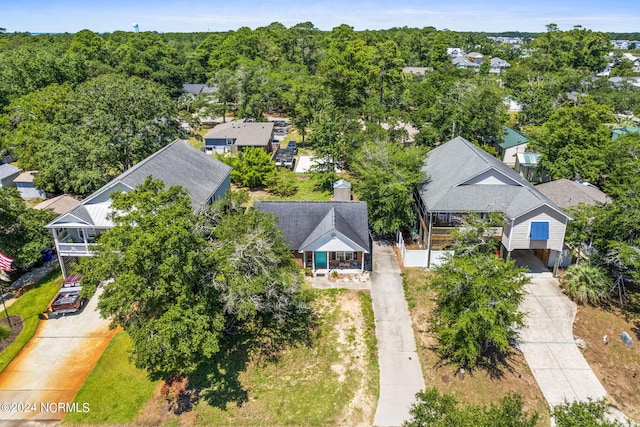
[[616, 365], [155, 412], [352, 348], [16, 327]]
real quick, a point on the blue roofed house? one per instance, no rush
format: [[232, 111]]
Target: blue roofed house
[[324, 235], [461, 179], [616, 133], [205, 179]]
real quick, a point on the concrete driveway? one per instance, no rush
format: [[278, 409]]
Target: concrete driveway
[[547, 341], [53, 365], [400, 371]]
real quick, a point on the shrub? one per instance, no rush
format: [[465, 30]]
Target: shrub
[[5, 332], [585, 283]]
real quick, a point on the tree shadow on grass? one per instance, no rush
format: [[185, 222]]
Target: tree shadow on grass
[[216, 380]]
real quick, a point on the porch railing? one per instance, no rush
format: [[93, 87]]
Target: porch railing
[[74, 249]]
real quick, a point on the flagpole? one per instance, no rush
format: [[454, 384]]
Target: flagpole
[[5, 306]]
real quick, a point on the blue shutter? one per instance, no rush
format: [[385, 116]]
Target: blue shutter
[[539, 231]]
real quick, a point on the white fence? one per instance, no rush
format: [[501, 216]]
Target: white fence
[[419, 257]]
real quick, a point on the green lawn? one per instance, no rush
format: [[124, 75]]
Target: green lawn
[[115, 390], [30, 305], [332, 381]]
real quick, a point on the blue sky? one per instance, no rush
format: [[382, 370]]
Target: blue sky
[[214, 15]]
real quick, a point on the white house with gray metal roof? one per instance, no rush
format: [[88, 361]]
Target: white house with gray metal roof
[[462, 178], [324, 235], [205, 179]]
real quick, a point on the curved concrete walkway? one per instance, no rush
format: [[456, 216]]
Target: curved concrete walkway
[[53, 365], [400, 371]]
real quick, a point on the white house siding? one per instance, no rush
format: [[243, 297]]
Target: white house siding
[[522, 227], [509, 157], [490, 177]]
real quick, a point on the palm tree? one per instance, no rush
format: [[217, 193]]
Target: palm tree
[[586, 283]]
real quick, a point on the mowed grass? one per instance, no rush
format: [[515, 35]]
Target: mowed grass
[[477, 387], [312, 385], [331, 381], [30, 305], [115, 390]]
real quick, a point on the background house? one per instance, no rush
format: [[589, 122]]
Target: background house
[[462, 179], [324, 235], [26, 187], [237, 135], [528, 166], [498, 65], [8, 173], [59, 204], [512, 143], [567, 193], [205, 179]]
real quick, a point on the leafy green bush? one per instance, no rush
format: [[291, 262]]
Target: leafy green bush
[[282, 182], [583, 414], [586, 283], [5, 332], [434, 409]]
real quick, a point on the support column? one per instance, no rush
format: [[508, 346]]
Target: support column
[[556, 263], [429, 240]]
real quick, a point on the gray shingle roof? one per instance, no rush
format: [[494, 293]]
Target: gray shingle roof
[[566, 193], [180, 164], [6, 170], [245, 134], [303, 222], [176, 164], [450, 167]]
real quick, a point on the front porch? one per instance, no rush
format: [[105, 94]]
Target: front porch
[[323, 263]]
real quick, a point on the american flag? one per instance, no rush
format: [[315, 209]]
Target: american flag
[[5, 262]]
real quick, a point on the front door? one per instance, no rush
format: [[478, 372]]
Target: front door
[[321, 260]]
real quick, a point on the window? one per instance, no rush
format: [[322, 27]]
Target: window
[[346, 256], [539, 230], [229, 141]]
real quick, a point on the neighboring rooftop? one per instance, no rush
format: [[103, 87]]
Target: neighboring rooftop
[[302, 222], [461, 177], [6, 170], [244, 133], [176, 164], [512, 138], [59, 204], [198, 88], [25, 177], [566, 193]]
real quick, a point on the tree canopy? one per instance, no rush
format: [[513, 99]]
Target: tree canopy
[[182, 285], [22, 232]]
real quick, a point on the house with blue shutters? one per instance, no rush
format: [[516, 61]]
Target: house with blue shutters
[[461, 178]]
